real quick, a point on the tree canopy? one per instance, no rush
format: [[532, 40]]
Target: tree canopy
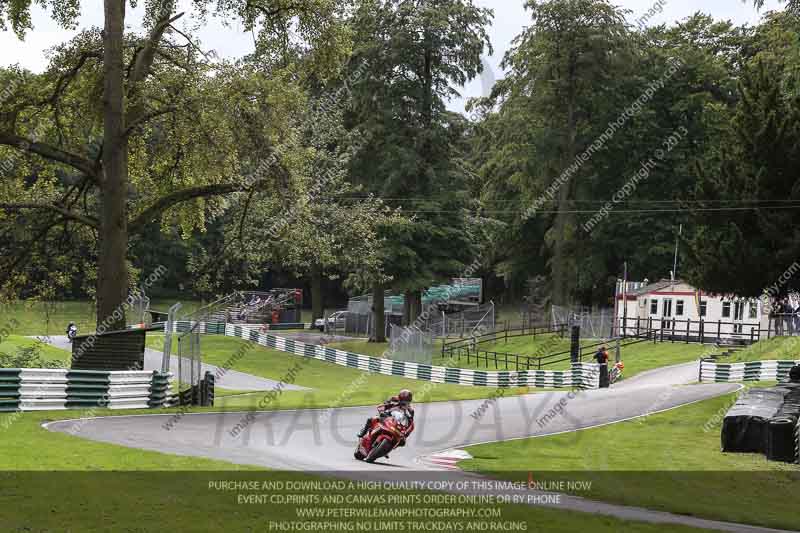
[[332, 152]]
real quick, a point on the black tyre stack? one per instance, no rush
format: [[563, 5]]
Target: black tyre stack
[[766, 421]]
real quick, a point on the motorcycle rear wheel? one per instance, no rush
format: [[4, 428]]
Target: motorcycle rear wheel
[[379, 451]]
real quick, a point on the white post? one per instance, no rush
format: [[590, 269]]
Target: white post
[[625, 301]]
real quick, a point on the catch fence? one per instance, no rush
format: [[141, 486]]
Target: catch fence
[[410, 344]]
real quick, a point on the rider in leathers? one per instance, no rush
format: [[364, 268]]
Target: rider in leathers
[[401, 401]]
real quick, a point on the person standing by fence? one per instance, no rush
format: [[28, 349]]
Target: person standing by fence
[[796, 319], [786, 309], [777, 316], [602, 359]]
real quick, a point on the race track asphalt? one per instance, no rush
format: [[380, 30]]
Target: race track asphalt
[[321, 439]]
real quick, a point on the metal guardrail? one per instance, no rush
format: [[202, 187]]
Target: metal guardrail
[[34, 389], [509, 361], [505, 334]]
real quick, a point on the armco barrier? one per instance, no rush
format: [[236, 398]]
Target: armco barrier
[[33, 389], [9, 389], [582, 375], [160, 393], [711, 371]]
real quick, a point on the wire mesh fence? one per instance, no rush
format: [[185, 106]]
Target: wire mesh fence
[[189, 363], [461, 324], [139, 310], [594, 323], [182, 337], [410, 344], [358, 322]]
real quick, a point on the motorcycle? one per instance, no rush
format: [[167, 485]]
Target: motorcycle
[[385, 434], [72, 332], [616, 372]]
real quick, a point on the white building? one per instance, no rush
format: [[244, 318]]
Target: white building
[[675, 309]]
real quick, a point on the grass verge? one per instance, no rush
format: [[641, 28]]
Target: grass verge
[[14, 343], [58, 482], [51, 318], [780, 348], [332, 385], [267, 501], [668, 461]]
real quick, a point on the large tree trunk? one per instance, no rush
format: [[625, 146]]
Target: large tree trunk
[[413, 305], [559, 264], [408, 304], [379, 319], [562, 266], [112, 269], [317, 308]]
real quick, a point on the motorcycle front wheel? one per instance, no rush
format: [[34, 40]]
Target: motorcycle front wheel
[[358, 455], [379, 451]]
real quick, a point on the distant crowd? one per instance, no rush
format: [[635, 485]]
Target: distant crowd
[[785, 317]]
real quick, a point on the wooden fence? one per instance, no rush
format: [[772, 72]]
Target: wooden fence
[[700, 331]]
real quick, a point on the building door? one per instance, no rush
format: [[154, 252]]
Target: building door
[[666, 315], [738, 316]]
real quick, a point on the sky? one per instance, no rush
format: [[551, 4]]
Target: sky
[[231, 41]]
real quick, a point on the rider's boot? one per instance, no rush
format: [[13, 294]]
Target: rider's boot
[[365, 428]]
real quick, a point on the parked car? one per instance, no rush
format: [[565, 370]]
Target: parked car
[[335, 320]]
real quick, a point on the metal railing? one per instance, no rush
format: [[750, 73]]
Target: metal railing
[[512, 361], [508, 332], [705, 331]]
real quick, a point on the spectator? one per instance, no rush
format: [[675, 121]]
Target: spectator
[[796, 318], [602, 359], [771, 315], [786, 308], [777, 315]]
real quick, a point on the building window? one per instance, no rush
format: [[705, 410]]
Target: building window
[[726, 309], [679, 308], [703, 307], [753, 310], [653, 307]]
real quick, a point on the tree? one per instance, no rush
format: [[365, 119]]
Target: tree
[[146, 84], [694, 106], [412, 155], [331, 230], [744, 240], [792, 6], [630, 91], [322, 226], [563, 71]]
